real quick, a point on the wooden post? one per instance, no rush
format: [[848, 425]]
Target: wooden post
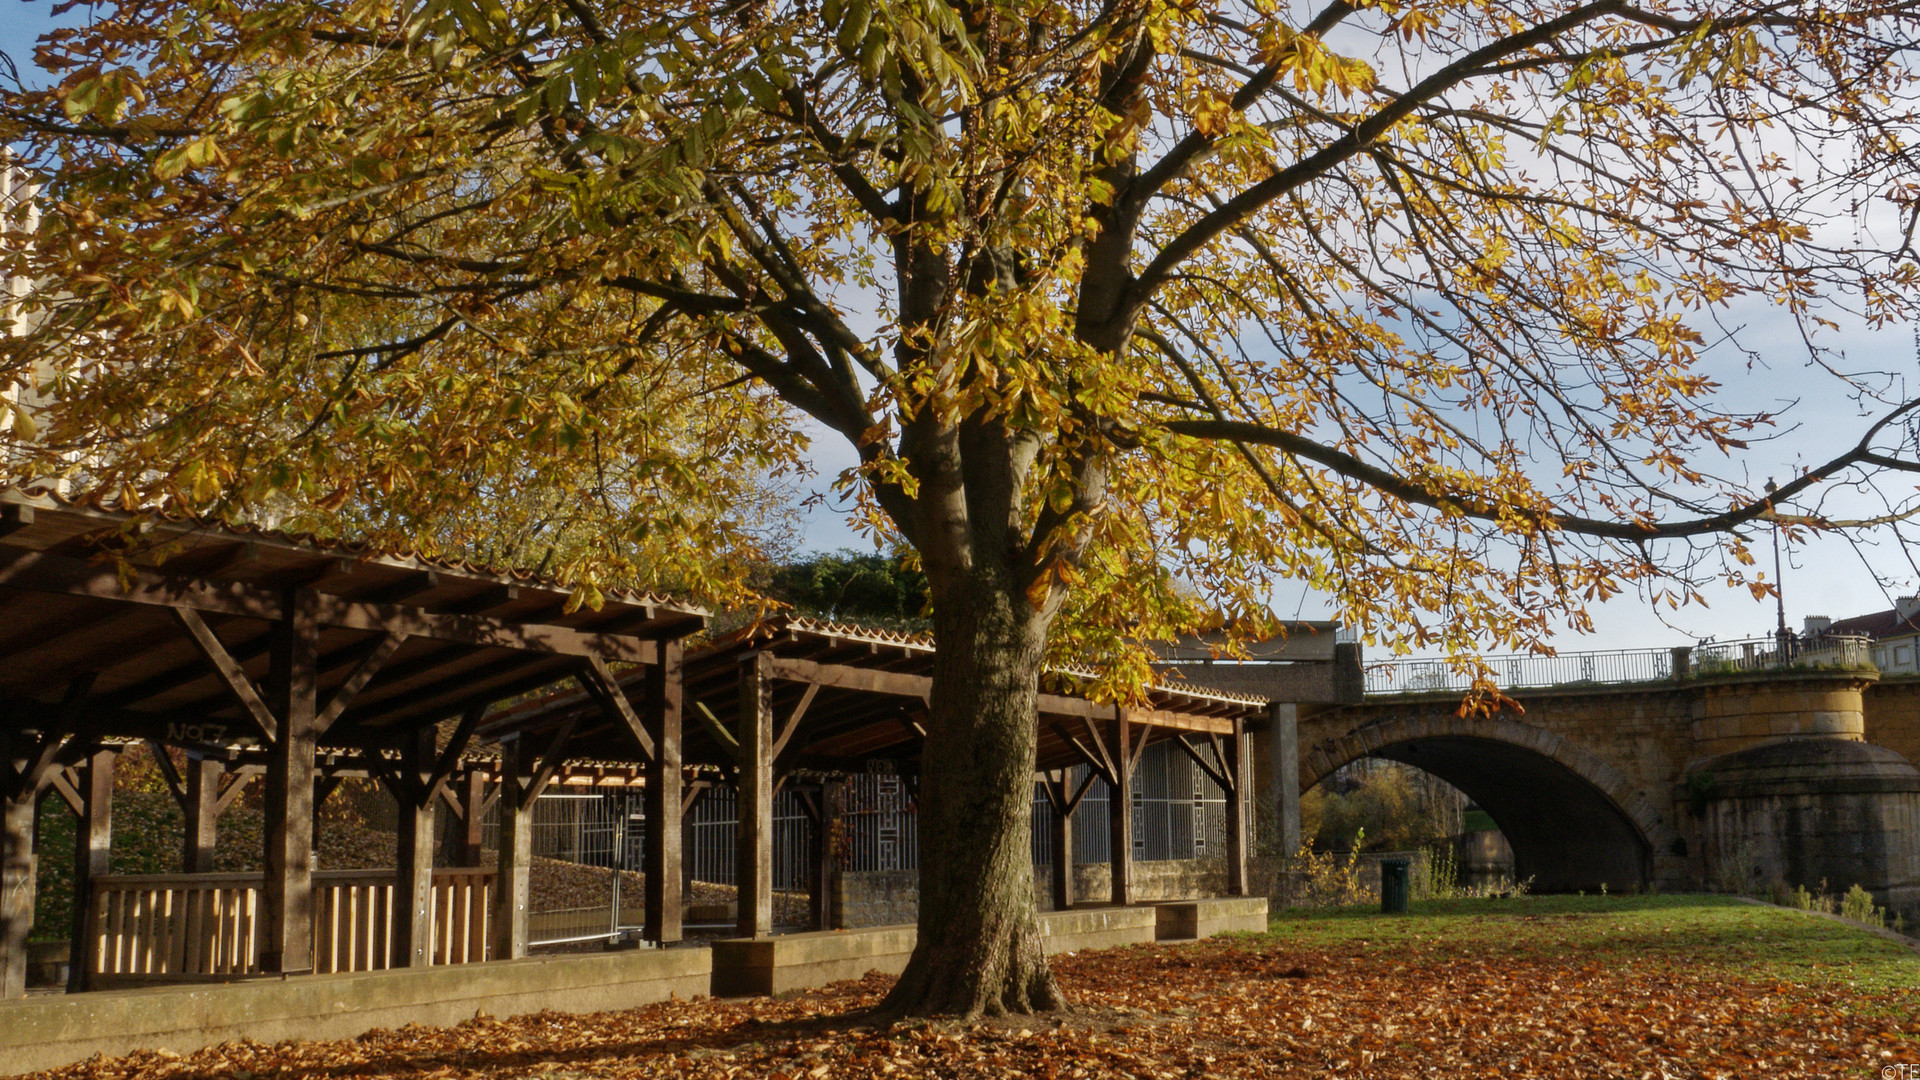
[[203, 815], [833, 799], [1120, 810], [1283, 776], [17, 868], [413, 891], [660, 861], [512, 891], [287, 902], [754, 778], [473, 798], [92, 849], [1238, 774], [1057, 782]]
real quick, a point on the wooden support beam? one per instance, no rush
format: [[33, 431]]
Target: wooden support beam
[[412, 922], [286, 918], [727, 741], [449, 758], [18, 867], [1215, 770], [1120, 809], [754, 779], [693, 790], [92, 846], [429, 703], [14, 517], [66, 784], [1235, 765], [1055, 783], [202, 805], [518, 765], [176, 786], [408, 587], [27, 767], [605, 690], [554, 756], [41, 572], [1092, 750], [242, 652], [363, 673], [660, 862], [828, 811], [792, 722], [233, 784], [473, 793], [1057, 706], [231, 673]]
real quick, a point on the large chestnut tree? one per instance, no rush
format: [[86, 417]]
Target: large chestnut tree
[[1129, 310]]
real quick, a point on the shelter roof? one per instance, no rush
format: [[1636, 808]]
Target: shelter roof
[[844, 695], [144, 621]]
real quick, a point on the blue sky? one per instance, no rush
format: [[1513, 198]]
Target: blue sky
[[21, 23]]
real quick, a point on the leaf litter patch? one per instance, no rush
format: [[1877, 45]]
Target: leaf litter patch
[[1248, 1007]]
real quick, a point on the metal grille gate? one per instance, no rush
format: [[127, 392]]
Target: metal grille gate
[[587, 845]]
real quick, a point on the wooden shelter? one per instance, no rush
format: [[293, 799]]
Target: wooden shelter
[[296, 659], [798, 697]]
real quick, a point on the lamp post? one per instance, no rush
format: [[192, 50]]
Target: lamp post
[[1783, 637]]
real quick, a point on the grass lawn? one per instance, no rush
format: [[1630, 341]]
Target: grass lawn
[[1571, 987]]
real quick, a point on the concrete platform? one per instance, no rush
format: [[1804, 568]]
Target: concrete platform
[[1188, 920], [775, 965], [44, 1032], [1083, 928]]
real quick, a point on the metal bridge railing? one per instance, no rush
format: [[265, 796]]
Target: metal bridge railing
[[1523, 671]]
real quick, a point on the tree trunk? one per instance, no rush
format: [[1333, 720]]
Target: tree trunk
[[979, 949]]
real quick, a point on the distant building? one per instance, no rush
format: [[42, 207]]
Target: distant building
[[1895, 634]]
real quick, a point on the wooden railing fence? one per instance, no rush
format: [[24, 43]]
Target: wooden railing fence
[[170, 928]]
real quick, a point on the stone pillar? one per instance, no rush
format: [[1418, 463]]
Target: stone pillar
[[512, 892], [203, 815], [1120, 810], [1283, 776], [660, 712], [287, 901], [1739, 713], [753, 843], [92, 852]]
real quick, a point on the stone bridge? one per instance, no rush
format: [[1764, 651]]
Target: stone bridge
[[1692, 781]]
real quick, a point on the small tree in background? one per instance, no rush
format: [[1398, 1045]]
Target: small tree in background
[[852, 586]]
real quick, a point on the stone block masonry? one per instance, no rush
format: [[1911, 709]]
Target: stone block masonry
[[44, 1032]]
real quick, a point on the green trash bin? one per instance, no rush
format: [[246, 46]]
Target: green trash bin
[[1394, 885]]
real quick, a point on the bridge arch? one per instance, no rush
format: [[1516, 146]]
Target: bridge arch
[[1575, 822]]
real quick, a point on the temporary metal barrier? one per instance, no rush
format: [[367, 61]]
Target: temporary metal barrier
[[587, 845]]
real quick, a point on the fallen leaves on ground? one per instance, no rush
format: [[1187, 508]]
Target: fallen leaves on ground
[[1238, 1008]]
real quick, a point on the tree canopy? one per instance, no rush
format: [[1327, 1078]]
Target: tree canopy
[[1145, 305], [851, 586]]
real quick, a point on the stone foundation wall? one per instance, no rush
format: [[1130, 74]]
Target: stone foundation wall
[[875, 898], [1819, 813], [892, 897], [42, 1032]]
